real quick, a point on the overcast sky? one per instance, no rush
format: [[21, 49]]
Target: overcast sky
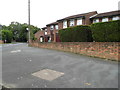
[[46, 11]]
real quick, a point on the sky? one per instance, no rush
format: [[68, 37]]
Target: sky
[[47, 11]]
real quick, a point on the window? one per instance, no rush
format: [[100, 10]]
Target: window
[[45, 32], [116, 18], [95, 20], [105, 20], [79, 21], [72, 22], [65, 24], [51, 27], [56, 27]]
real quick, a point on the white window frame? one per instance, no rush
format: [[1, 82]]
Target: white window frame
[[65, 24], [56, 27], [45, 32], [52, 27], [116, 18], [79, 21], [105, 19], [95, 20], [72, 22]]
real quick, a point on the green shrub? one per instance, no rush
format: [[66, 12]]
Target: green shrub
[[106, 31], [76, 34], [7, 35]]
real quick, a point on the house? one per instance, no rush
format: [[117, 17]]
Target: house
[[44, 37], [40, 35], [50, 32], [105, 17], [79, 19]]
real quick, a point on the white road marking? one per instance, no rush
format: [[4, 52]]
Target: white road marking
[[7, 45], [16, 51]]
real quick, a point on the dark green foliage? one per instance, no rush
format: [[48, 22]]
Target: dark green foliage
[[76, 34], [101, 32], [6, 35], [20, 32], [106, 31]]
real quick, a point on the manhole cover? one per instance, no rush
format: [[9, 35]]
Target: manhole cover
[[48, 74]]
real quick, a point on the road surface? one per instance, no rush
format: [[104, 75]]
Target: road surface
[[20, 65]]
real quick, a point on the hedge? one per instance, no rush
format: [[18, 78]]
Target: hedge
[[106, 31], [76, 34]]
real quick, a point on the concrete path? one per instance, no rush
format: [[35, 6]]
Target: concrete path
[[29, 67]]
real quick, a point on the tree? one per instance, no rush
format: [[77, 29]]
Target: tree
[[6, 36], [20, 32]]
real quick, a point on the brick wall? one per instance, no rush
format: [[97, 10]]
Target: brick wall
[[48, 30], [1, 42], [60, 25], [108, 50]]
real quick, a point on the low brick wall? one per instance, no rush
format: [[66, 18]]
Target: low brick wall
[[107, 50], [1, 42]]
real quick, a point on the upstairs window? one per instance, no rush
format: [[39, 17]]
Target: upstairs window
[[79, 21], [65, 24], [105, 20], [72, 22], [51, 27], [116, 18], [56, 27], [95, 20]]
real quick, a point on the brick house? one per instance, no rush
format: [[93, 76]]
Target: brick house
[[45, 36], [50, 32], [40, 36], [105, 17], [53, 28], [79, 19]]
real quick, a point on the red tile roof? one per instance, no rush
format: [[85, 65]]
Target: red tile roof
[[76, 16]]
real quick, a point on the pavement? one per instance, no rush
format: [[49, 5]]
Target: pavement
[[29, 67]]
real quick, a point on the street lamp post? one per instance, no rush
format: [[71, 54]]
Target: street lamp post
[[29, 19]]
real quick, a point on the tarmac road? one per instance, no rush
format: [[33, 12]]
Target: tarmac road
[[20, 62]]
